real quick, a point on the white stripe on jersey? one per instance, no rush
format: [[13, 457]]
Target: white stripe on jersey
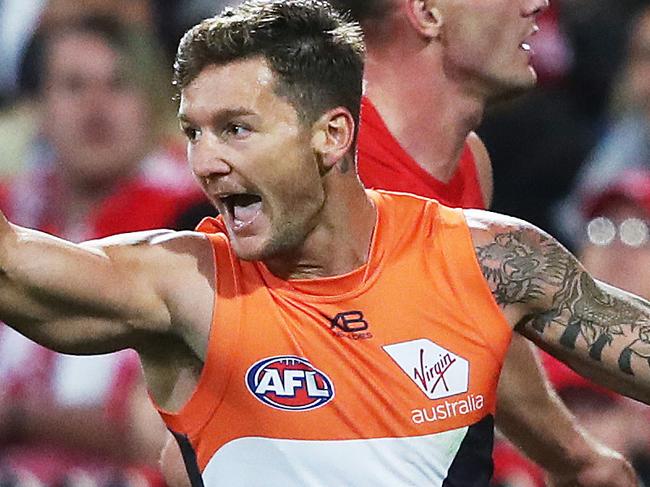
[[390, 462]]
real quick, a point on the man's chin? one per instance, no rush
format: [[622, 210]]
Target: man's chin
[[248, 248], [507, 90], [258, 250]]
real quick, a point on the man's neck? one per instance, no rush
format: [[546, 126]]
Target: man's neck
[[339, 243], [428, 113]]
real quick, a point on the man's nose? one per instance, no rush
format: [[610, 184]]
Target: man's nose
[[208, 158], [91, 96], [534, 7]]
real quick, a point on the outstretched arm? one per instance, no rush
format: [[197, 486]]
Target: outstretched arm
[[94, 297], [556, 443], [600, 331]]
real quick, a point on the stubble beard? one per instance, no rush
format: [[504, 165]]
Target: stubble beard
[[284, 248], [284, 242]]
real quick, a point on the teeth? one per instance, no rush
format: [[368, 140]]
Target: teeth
[[242, 207], [525, 46]]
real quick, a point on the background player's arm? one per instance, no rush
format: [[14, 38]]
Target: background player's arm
[[598, 330], [172, 464], [89, 298], [532, 416]]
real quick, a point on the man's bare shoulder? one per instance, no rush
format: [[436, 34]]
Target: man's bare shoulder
[[180, 267], [175, 252], [154, 249], [153, 240], [179, 264], [520, 261]]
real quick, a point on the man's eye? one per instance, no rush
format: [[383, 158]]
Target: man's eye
[[237, 130], [190, 133]]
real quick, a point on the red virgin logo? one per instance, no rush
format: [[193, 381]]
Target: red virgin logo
[[437, 371]]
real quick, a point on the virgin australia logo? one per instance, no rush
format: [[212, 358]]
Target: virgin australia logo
[[435, 370]]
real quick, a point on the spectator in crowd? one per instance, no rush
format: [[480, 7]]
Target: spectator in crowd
[[616, 246], [626, 142], [18, 21], [103, 168]]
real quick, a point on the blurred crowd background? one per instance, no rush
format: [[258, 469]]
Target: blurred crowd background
[[89, 146]]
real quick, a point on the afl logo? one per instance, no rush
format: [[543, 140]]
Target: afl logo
[[290, 383]]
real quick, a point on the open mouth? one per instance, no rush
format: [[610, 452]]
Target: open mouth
[[242, 208], [525, 45]]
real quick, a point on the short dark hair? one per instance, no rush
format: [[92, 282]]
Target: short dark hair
[[363, 10], [315, 52]]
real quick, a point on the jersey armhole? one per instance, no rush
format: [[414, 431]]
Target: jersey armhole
[[192, 417]]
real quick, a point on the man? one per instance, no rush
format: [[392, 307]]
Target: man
[[616, 237], [445, 62], [271, 342]]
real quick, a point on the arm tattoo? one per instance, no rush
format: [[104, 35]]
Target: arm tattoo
[[513, 265], [526, 267]]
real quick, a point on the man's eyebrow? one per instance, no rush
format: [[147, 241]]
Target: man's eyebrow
[[221, 115]]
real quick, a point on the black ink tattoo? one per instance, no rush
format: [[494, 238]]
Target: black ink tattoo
[[526, 267], [513, 264], [345, 165]]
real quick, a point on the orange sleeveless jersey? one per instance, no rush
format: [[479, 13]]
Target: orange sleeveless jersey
[[385, 376], [384, 164]]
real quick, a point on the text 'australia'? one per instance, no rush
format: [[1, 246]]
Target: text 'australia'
[[448, 409]]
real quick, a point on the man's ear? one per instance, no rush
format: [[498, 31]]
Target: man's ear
[[425, 17], [333, 137]]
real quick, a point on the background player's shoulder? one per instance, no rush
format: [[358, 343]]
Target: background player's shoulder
[[482, 165]]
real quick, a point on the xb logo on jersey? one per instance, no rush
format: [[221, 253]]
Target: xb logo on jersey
[[350, 324], [289, 383]]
